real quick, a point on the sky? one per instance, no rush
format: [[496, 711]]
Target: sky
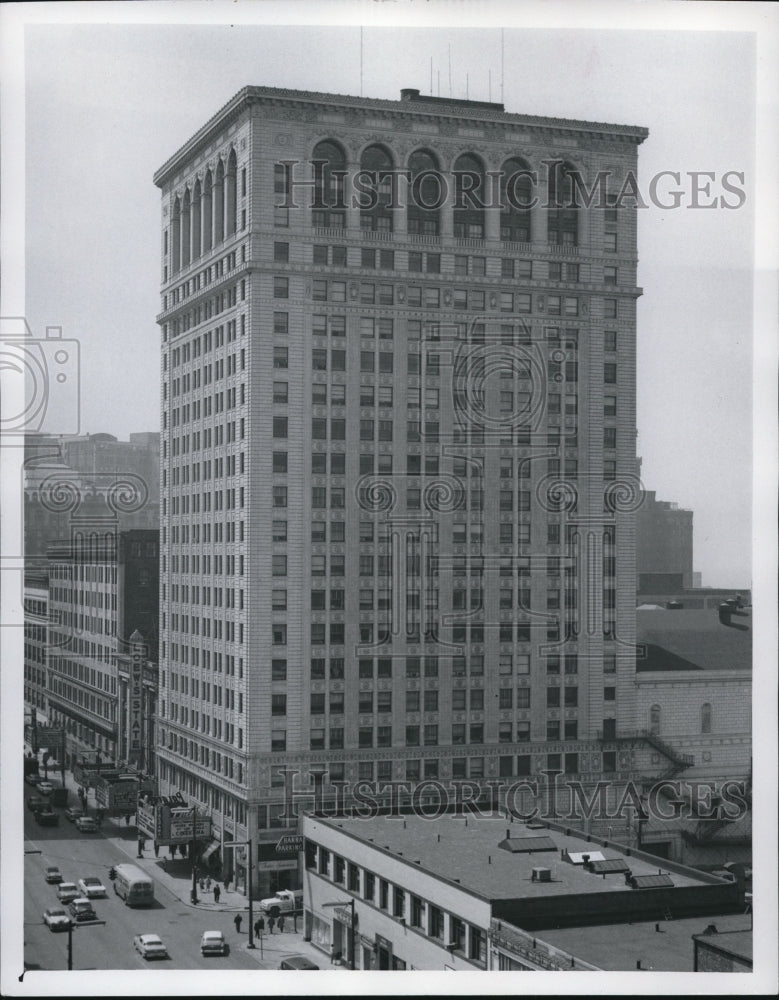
[[107, 104]]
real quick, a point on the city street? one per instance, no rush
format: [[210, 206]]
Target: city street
[[110, 945]]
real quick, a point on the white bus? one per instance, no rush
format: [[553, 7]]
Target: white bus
[[133, 885]]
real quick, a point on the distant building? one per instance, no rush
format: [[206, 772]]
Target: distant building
[[36, 625], [483, 893], [71, 483], [663, 545], [100, 592], [694, 695]]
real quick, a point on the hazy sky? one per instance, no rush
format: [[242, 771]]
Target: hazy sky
[[106, 105]]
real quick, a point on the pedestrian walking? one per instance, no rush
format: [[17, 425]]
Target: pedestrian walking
[[271, 924], [237, 922], [257, 928], [208, 884], [202, 884], [156, 849], [217, 892], [281, 924], [261, 922]]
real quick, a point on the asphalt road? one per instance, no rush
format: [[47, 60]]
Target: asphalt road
[[109, 945]]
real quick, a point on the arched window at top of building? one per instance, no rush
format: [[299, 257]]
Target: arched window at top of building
[[706, 717], [196, 220], [654, 720], [329, 165], [563, 218], [425, 194], [175, 235], [231, 201], [186, 229], [516, 194], [376, 180], [470, 196], [219, 203], [207, 212]]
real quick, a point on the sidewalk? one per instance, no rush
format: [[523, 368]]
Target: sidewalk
[[176, 875]]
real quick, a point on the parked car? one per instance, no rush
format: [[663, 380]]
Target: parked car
[[92, 887], [56, 919], [36, 802], [66, 891], [213, 943], [32, 779], [53, 874], [298, 963], [150, 946], [86, 824], [285, 901], [47, 817], [45, 787], [82, 909], [72, 813]]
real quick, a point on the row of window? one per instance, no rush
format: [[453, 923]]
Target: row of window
[[420, 914]]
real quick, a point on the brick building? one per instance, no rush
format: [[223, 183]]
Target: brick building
[[398, 447], [101, 590]]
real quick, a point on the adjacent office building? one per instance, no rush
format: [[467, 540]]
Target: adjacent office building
[[398, 348], [103, 605]]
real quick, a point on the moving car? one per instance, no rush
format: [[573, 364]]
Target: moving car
[[150, 946], [72, 813], [45, 787], [47, 817], [92, 887], [56, 919], [36, 802], [86, 824], [53, 874], [298, 963], [213, 943], [66, 891], [81, 909]]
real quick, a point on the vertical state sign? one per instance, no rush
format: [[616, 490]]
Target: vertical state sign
[[136, 705]]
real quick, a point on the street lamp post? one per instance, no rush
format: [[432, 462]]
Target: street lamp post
[[71, 927], [247, 844], [193, 894], [350, 904]]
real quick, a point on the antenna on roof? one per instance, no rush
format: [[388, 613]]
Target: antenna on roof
[[502, 55]]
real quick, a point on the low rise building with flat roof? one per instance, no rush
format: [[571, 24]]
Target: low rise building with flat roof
[[459, 892]]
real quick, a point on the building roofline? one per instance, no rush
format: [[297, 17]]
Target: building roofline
[[416, 107]]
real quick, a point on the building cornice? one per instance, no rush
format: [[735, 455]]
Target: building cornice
[[418, 110]]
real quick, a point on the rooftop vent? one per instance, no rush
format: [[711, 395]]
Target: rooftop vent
[[541, 875]]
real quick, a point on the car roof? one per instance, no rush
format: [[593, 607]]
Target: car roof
[[90, 879], [67, 885], [150, 938], [55, 909], [212, 934]]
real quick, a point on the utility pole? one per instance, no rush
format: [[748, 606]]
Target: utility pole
[[247, 844]]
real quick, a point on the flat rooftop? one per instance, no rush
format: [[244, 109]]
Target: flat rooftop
[[618, 947], [692, 639], [471, 856]]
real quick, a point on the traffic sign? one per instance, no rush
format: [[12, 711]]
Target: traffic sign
[[290, 844]]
